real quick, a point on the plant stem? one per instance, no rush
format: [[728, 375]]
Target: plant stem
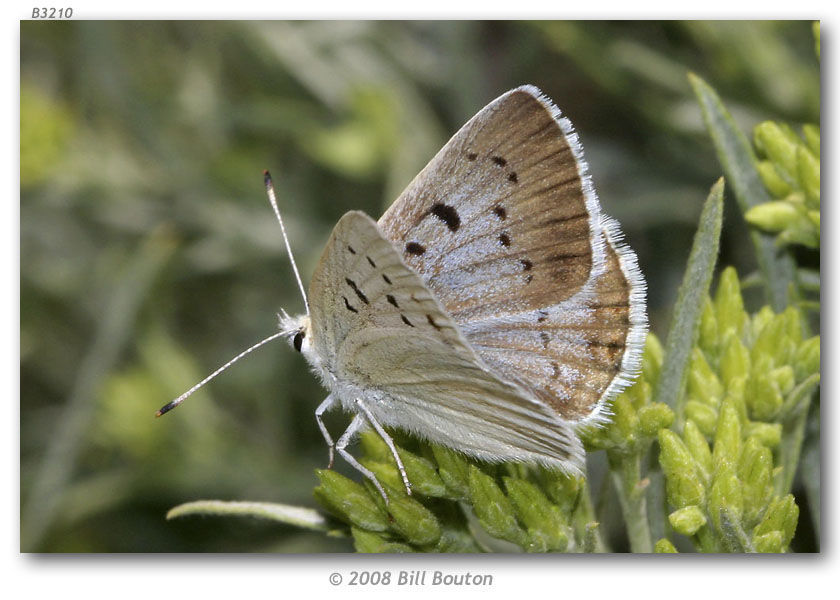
[[626, 473], [793, 434], [584, 516]]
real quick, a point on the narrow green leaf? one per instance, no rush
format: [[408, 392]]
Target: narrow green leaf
[[693, 293], [740, 166], [292, 515]]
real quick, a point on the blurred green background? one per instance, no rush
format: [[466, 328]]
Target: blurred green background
[[149, 254]]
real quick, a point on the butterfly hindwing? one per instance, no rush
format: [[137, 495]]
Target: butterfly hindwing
[[505, 229], [378, 330]]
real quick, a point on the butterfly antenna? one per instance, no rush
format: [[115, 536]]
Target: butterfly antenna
[[201, 383], [269, 188]]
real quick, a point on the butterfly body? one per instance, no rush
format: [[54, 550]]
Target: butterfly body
[[492, 309]]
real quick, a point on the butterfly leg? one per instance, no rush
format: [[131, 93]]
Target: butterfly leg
[[358, 423], [326, 405], [387, 439]]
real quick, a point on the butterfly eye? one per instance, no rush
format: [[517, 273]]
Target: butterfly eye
[[298, 341]]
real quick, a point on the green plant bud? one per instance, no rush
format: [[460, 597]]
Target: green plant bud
[[735, 397], [779, 145], [652, 359], [687, 520], [763, 397], [563, 490], [638, 394], [387, 474], [625, 422], [493, 509], [809, 176], [725, 496], [773, 216], [596, 438], [454, 471], [703, 383], [782, 515], [799, 398], [769, 434], [683, 486], [792, 324], [590, 542], [807, 358], [759, 321], [811, 133], [729, 304], [775, 183], [708, 331], [664, 546], [755, 471], [456, 541], [696, 443], [537, 543], [373, 543], [684, 489], [653, 417], [770, 339], [727, 447], [771, 542], [786, 352], [735, 360], [374, 447], [801, 232], [783, 378], [423, 475], [545, 522], [414, 521], [703, 415], [350, 500]]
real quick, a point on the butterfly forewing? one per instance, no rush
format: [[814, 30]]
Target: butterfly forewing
[[380, 332], [505, 229], [498, 215]]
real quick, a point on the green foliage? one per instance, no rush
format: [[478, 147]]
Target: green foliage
[[721, 475], [530, 508], [790, 171]]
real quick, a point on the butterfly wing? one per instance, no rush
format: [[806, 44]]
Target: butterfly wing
[[505, 229], [381, 337]]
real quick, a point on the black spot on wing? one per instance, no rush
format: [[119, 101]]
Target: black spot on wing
[[356, 289], [350, 248], [448, 215], [500, 212], [527, 265], [545, 339], [472, 155], [392, 300], [499, 160], [348, 306], [513, 178], [504, 240], [415, 248], [406, 321], [432, 322], [370, 261], [386, 279]]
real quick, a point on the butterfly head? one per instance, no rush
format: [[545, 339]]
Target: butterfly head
[[296, 330]]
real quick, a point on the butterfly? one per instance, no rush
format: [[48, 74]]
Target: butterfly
[[493, 308]]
